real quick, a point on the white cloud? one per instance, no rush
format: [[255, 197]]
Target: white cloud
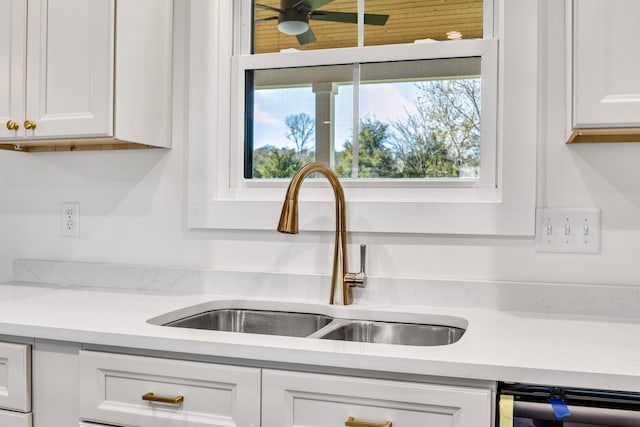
[[387, 102], [265, 117]]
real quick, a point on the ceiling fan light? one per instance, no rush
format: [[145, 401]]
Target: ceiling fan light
[[293, 28]]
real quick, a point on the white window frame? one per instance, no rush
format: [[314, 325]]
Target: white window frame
[[219, 198]]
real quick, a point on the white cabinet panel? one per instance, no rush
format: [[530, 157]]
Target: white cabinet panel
[[13, 40], [314, 400], [144, 47], [15, 419], [70, 68], [15, 377], [55, 383], [606, 88], [112, 387]]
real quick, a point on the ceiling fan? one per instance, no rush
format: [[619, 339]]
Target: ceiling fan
[[294, 15]]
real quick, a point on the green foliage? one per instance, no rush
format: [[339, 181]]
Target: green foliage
[[276, 163], [439, 139], [442, 136], [375, 159], [272, 162]]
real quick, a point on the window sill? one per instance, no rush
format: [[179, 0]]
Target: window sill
[[476, 218]]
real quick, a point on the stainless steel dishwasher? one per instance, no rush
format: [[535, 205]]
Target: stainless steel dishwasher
[[521, 405]]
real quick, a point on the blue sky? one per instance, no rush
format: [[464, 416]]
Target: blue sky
[[385, 101]]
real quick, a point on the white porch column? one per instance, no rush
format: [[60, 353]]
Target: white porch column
[[325, 114]]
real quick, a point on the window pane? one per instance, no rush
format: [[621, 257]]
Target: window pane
[[417, 119], [284, 24], [423, 20], [429, 123], [295, 119]]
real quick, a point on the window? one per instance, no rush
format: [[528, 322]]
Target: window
[[477, 178], [429, 125]]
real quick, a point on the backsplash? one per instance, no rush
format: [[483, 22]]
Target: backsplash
[[556, 298]]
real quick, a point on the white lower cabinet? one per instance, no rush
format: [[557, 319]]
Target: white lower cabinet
[[15, 377], [15, 385], [138, 391], [121, 390], [316, 400], [15, 419]]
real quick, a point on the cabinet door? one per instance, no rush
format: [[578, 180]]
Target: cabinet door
[[312, 400], [13, 40], [118, 389], [606, 62], [15, 377], [15, 419], [70, 68]]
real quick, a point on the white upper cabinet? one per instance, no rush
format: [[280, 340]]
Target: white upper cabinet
[[13, 42], [58, 59], [606, 83], [70, 68], [83, 72]]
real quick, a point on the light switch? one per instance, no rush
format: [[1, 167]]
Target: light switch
[[568, 230]]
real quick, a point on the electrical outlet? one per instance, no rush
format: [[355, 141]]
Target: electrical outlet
[[70, 219], [568, 230]]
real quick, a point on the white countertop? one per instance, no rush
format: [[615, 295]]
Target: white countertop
[[539, 348]]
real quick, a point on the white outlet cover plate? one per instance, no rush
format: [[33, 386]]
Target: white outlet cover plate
[[70, 216], [568, 230]]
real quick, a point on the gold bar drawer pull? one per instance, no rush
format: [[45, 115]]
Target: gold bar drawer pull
[[153, 398], [353, 423]]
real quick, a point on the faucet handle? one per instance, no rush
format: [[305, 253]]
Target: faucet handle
[[358, 279]]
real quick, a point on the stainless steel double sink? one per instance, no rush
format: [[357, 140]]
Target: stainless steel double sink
[[320, 326]]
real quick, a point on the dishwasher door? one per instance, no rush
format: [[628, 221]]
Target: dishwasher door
[[541, 406]]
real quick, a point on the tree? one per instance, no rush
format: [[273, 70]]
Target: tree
[[281, 163], [443, 135], [261, 156], [301, 129], [375, 159]]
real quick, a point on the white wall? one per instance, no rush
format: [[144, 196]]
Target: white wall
[[132, 211]]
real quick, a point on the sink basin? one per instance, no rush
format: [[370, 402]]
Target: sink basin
[[393, 333], [255, 322], [292, 323]]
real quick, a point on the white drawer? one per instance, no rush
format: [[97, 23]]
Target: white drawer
[[15, 419], [316, 400], [112, 387], [15, 377]]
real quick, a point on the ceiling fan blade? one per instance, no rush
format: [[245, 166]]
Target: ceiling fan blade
[[321, 15], [306, 38], [373, 19], [265, 7], [271, 18], [350, 18], [317, 4]]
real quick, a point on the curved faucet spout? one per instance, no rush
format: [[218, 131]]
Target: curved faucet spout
[[289, 223]]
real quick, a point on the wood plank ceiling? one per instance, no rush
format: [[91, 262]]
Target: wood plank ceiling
[[408, 21]]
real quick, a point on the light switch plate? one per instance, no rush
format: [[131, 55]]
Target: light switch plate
[[568, 230]]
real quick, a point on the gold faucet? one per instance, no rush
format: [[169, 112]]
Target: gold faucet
[[289, 224]]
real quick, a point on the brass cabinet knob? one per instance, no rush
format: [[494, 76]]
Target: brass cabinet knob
[[11, 125], [28, 124]]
